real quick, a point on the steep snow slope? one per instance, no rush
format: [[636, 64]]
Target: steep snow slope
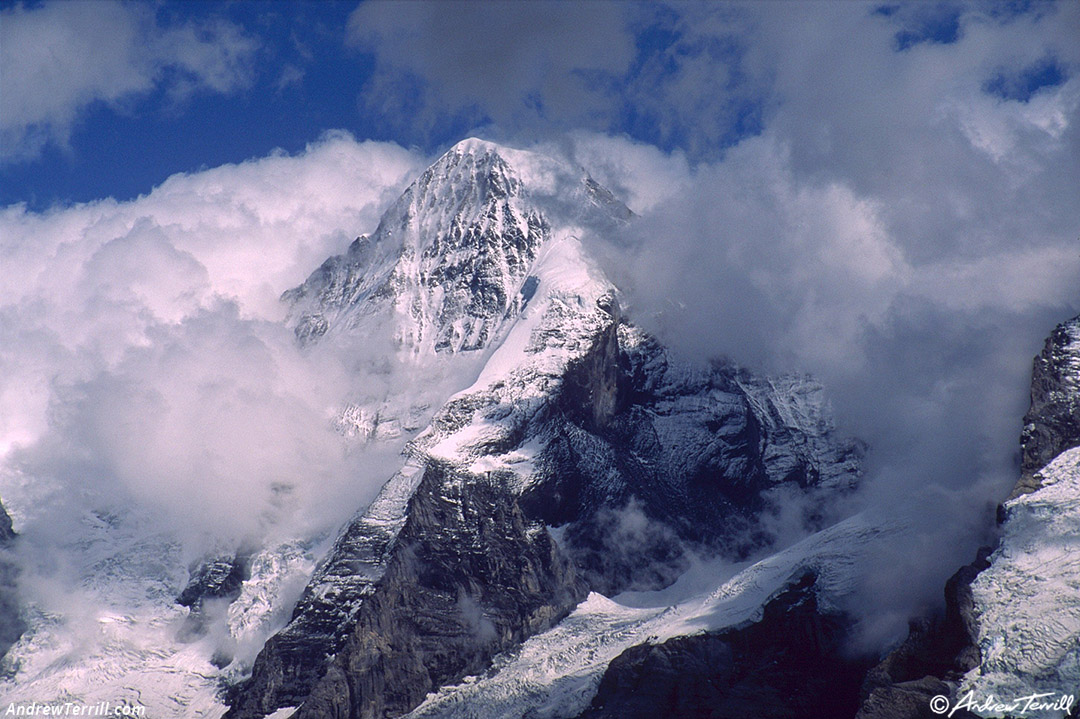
[[1028, 601], [450, 257]]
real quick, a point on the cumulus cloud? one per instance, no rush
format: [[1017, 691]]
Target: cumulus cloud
[[899, 229], [143, 353], [61, 57], [639, 174], [476, 63], [674, 74], [215, 413]]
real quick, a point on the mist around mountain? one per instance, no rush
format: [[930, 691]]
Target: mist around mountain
[[576, 359], [458, 470]]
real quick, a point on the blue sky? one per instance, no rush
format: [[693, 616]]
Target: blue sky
[[289, 85], [190, 85]]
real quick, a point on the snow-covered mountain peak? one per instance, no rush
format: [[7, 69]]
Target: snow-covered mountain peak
[[548, 448], [449, 260]]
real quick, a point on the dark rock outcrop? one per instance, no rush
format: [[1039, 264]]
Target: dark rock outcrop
[[590, 395], [644, 458], [469, 576], [218, 579], [7, 530], [295, 659], [936, 653], [1052, 423], [11, 623], [787, 665]]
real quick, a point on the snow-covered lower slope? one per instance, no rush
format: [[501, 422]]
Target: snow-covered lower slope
[[1028, 601], [555, 675], [118, 636]]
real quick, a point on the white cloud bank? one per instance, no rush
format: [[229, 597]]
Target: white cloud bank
[[155, 410], [142, 350], [897, 230]]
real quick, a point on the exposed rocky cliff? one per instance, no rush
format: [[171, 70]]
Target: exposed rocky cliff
[[1052, 423], [11, 623], [471, 577], [215, 580], [1012, 618], [790, 663], [683, 456], [468, 576]]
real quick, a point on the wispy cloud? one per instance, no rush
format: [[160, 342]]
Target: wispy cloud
[[61, 57]]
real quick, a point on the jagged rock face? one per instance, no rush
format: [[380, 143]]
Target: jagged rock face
[[933, 658], [468, 576], [11, 623], [7, 531], [295, 659], [634, 455], [1052, 424], [216, 580], [660, 455], [788, 664], [449, 259]]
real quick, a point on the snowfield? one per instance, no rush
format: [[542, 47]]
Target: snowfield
[[1028, 600]]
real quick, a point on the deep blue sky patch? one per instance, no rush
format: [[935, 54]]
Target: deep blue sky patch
[[928, 23], [1022, 85]]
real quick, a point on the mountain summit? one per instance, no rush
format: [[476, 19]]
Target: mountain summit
[[562, 489], [578, 426], [449, 259]]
